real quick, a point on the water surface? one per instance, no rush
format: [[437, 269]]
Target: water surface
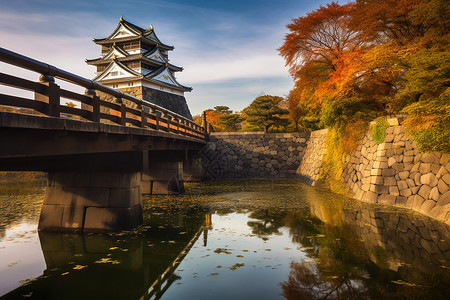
[[245, 239]]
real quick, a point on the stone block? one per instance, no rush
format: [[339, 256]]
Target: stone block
[[130, 180], [435, 168], [430, 158], [380, 189], [90, 196], [387, 199], [391, 161], [393, 190], [388, 172], [383, 165], [425, 168], [375, 172], [102, 219], [72, 218], [393, 122], [406, 192], [370, 197], [415, 168], [105, 180], [446, 178], [437, 210], [410, 182], [444, 199], [403, 175], [445, 158], [53, 195], [442, 171], [124, 197], [389, 137], [402, 185], [418, 201], [415, 189], [424, 191], [400, 200], [434, 194], [417, 177], [442, 186], [376, 180], [51, 217], [429, 179], [390, 181]]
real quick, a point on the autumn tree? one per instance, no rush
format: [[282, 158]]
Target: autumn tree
[[295, 108], [322, 36], [264, 112]]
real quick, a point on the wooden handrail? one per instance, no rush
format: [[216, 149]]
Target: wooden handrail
[[52, 93]]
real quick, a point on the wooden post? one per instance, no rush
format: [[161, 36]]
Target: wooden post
[[95, 103], [157, 116], [143, 119], [123, 113], [205, 125], [52, 97], [168, 120], [178, 125]]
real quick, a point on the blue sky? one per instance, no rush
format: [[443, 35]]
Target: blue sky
[[227, 48]]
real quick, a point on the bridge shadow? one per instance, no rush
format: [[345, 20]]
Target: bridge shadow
[[138, 264]]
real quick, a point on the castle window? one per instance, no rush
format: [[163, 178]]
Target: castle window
[[115, 73]]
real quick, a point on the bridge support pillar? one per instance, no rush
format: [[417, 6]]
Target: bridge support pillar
[[162, 175], [192, 169], [91, 202]]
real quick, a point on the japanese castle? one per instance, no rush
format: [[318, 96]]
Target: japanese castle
[[135, 61]]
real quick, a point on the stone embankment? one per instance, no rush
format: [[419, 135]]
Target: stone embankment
[[310, 165], [254, 154], [391, 173]]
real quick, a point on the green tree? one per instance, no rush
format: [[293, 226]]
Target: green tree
[[264, 112], [223, 109], [233, 121]]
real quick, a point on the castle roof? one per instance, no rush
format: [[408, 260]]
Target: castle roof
[[118, 72], [152, 57], [126, 31]]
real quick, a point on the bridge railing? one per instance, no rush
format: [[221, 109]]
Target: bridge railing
[[48, 94]]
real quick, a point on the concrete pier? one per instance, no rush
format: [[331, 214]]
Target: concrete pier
[[163, 173], [91, 201]]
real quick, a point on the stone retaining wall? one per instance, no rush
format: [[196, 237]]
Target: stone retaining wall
[[311, 163], [253, 154], [391, 173]]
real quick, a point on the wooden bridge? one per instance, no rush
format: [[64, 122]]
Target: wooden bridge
[[100, 156]]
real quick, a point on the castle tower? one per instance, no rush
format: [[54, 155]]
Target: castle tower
[[136, 62]]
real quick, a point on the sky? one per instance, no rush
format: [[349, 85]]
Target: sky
[[228, 49]]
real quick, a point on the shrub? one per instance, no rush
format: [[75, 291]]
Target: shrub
[[378, 129]]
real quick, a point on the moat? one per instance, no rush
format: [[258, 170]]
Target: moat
[[234, 239]]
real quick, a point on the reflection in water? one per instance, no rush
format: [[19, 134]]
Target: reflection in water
[[361, 252], [94, 266], [270, 240]]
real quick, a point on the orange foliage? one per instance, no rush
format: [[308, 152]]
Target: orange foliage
[[321, 36]]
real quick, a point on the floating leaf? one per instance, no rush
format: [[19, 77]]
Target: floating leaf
[[236, 266], [79, 267], [65, 273]]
